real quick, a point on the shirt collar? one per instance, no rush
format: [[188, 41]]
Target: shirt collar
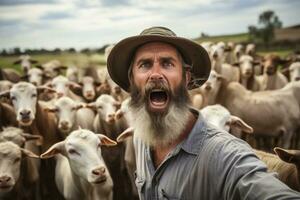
[[193, 143]]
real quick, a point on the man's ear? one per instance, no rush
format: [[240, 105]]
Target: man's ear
[[188, 76]]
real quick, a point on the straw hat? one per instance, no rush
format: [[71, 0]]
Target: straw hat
[[193, 54]]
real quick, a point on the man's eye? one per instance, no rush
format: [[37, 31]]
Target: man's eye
[[167, 64], [145, 65]]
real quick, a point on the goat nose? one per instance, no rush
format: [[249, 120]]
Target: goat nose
[[25, 113], [4, 179], [64, 123], [99, 171], [111, 115]]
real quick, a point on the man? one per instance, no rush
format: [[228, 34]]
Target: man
[[180, 156]]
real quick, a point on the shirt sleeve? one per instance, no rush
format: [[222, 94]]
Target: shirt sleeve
[[241, 175]]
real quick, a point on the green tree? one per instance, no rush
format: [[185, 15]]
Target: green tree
[[268, 21]]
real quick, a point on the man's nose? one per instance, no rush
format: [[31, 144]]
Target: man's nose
[[156, 72]]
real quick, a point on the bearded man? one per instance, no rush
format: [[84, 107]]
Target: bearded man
[[178, 154]]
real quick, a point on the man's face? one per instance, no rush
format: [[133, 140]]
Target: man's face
[[157, 73], [159, 98]]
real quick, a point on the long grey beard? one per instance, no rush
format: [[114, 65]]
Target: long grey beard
[[159, 130]]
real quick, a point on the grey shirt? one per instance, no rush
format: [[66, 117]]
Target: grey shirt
[[208, 164]]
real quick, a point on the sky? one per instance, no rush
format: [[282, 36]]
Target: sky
[[94, 23]]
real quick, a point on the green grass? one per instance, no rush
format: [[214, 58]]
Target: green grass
[[236, 38], [67, 59], [281, 53]]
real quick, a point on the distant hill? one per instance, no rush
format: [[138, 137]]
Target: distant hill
[[291, 33], [237, 38]]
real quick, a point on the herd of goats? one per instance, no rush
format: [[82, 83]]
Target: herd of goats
[[65, 133]]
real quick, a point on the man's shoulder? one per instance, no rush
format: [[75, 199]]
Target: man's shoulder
[[220, 143]]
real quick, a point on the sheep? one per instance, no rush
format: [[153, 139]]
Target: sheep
[[285, 164], [32, 117], [238, 51], [7, 115], [52, 68], [270, 113], [64, 87], [220, 117], [123, 118], [35, 76], [17, 136], [72, 74], [89, 88], [81, 172], [26, 63], [250, 49], [104, 122], [5, 85], [272, 79], [9, 75], [70, 115], [13, 181], [247, 76], [294, 70]]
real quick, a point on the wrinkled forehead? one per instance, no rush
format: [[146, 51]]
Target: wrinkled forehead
[[162, 48], [23, 88]]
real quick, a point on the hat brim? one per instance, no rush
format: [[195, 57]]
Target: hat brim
[[121, 55]]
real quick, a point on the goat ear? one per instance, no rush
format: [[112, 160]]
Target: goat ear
[[119, 114], [106, 141], [91, 106], [38, 138], [54, 150], [125, 134], [97, 83], [28, 153], [5, 94], [285, 70], [48, 109], [236, 64], [41, 89], [40, 67], [117, 104], [228, 49], [290, 156], [240, 124], [78, 106], [75, 86], [24, 77]]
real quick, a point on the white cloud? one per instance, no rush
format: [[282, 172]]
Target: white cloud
[[95, 23]]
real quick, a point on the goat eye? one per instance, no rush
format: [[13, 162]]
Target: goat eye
[[13, 98], [100, 107], [73, 151], [34, 95]]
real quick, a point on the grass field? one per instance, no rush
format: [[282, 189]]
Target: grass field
[[67, 59], [236, 38], [83, 60]]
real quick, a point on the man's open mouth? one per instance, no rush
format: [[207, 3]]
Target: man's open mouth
[[158, 99]]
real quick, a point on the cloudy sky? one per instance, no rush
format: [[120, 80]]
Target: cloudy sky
[[93, 23]]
